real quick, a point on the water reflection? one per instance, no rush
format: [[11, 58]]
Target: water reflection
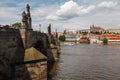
[[89, 62]]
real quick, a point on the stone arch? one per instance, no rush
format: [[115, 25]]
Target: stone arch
[[39, 45]]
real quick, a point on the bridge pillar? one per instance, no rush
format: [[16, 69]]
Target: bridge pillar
[[26, 35]]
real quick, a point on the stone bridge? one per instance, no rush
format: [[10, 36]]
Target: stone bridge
[[15, 45]]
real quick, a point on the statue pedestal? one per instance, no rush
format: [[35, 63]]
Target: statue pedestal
[[26, 35]]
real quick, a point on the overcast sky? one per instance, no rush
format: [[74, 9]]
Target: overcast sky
[[63, 14]]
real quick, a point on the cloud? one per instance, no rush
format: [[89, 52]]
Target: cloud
[[39, 12], [106, 4], [73, 14], [9, 14], [83, 11], [71, 9], [79, 16], [44, 13], [53, 17]]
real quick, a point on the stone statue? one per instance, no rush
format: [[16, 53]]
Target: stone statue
[[49, 29], [56, 34], [28, 8], [28, 15], [24, 20]]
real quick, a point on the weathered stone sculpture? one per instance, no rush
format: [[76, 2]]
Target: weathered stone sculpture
[[56, 35], [26, 30], [24, 20], [28, 16], [49, 29], [28, 8]]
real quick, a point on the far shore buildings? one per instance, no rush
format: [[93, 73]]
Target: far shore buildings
[[71, 36], [112, 38], [96, 29], [113, 30], [84, 31], [95, 34]]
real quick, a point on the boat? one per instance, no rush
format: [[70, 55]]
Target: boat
[[69, 44]]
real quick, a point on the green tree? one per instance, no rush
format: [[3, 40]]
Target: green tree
[[16, 25], [105, 41], [62, 38], [84, 33], [97, 32]]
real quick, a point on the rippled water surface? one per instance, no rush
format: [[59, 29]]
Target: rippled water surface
[[89, 62]]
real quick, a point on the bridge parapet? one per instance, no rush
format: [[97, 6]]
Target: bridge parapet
[[10, 42]]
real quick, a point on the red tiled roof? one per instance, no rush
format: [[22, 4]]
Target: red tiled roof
[[110, 35], [115, 38], [72, 34], [113, 29]]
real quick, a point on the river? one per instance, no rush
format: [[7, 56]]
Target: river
[[89, 62]]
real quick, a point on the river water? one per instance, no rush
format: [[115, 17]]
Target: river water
[[89, 62]]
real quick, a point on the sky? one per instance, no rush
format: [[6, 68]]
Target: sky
[[63, 14]]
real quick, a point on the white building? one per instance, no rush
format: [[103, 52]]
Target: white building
[[114, 30]]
